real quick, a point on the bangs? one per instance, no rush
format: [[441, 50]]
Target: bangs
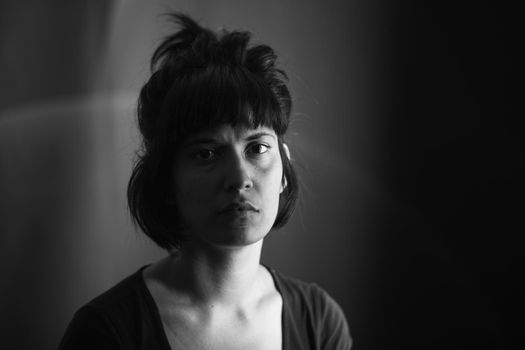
[[222, 94]]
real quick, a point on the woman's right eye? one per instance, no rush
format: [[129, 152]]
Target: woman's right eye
[[205, 154]]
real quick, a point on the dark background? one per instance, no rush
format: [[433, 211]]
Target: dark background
[[453, 254], [407, 147]]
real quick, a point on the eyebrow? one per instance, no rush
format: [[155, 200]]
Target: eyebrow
[[200, 140], [260, 134], [208, 140]]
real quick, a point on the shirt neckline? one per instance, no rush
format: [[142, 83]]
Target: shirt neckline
[[158, 320], [284, 312], [153, 307]]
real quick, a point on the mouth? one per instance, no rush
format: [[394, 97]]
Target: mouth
[[239, 207]]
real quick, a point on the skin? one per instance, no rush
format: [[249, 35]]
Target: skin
[[213, 293]]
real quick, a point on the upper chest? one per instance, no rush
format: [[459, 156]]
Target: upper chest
[[261, 330]]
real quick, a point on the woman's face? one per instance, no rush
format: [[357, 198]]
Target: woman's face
[[227, 183]]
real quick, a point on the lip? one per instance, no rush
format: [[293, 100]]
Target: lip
[[238, 206]]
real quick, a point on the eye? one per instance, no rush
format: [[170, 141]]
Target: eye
[[258, 148], [205, 154]]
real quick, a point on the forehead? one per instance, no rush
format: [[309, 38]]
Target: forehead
[[229, 133]]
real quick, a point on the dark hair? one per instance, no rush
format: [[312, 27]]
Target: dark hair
[[201, 79]]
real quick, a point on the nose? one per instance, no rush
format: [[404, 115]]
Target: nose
[[238, 175]]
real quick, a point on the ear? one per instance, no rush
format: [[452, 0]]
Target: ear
[[284, 182], [286, 151]]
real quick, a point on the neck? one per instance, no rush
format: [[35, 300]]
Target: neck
[[212, 275]]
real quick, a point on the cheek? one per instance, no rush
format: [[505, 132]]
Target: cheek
[[272, 185], [188, 183], [188, 192]]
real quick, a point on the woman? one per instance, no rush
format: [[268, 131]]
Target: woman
[[213, 178]]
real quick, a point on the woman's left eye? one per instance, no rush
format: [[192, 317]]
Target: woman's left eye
[[259, 148]]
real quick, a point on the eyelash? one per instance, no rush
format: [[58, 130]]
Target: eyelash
[[265, 146], [208, 154], [199, 154]]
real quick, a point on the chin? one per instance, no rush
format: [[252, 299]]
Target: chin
[[235, 236], [240, 230], [233, 230], [239, 237]]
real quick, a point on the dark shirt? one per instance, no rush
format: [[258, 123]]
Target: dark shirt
[[126, 317]]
